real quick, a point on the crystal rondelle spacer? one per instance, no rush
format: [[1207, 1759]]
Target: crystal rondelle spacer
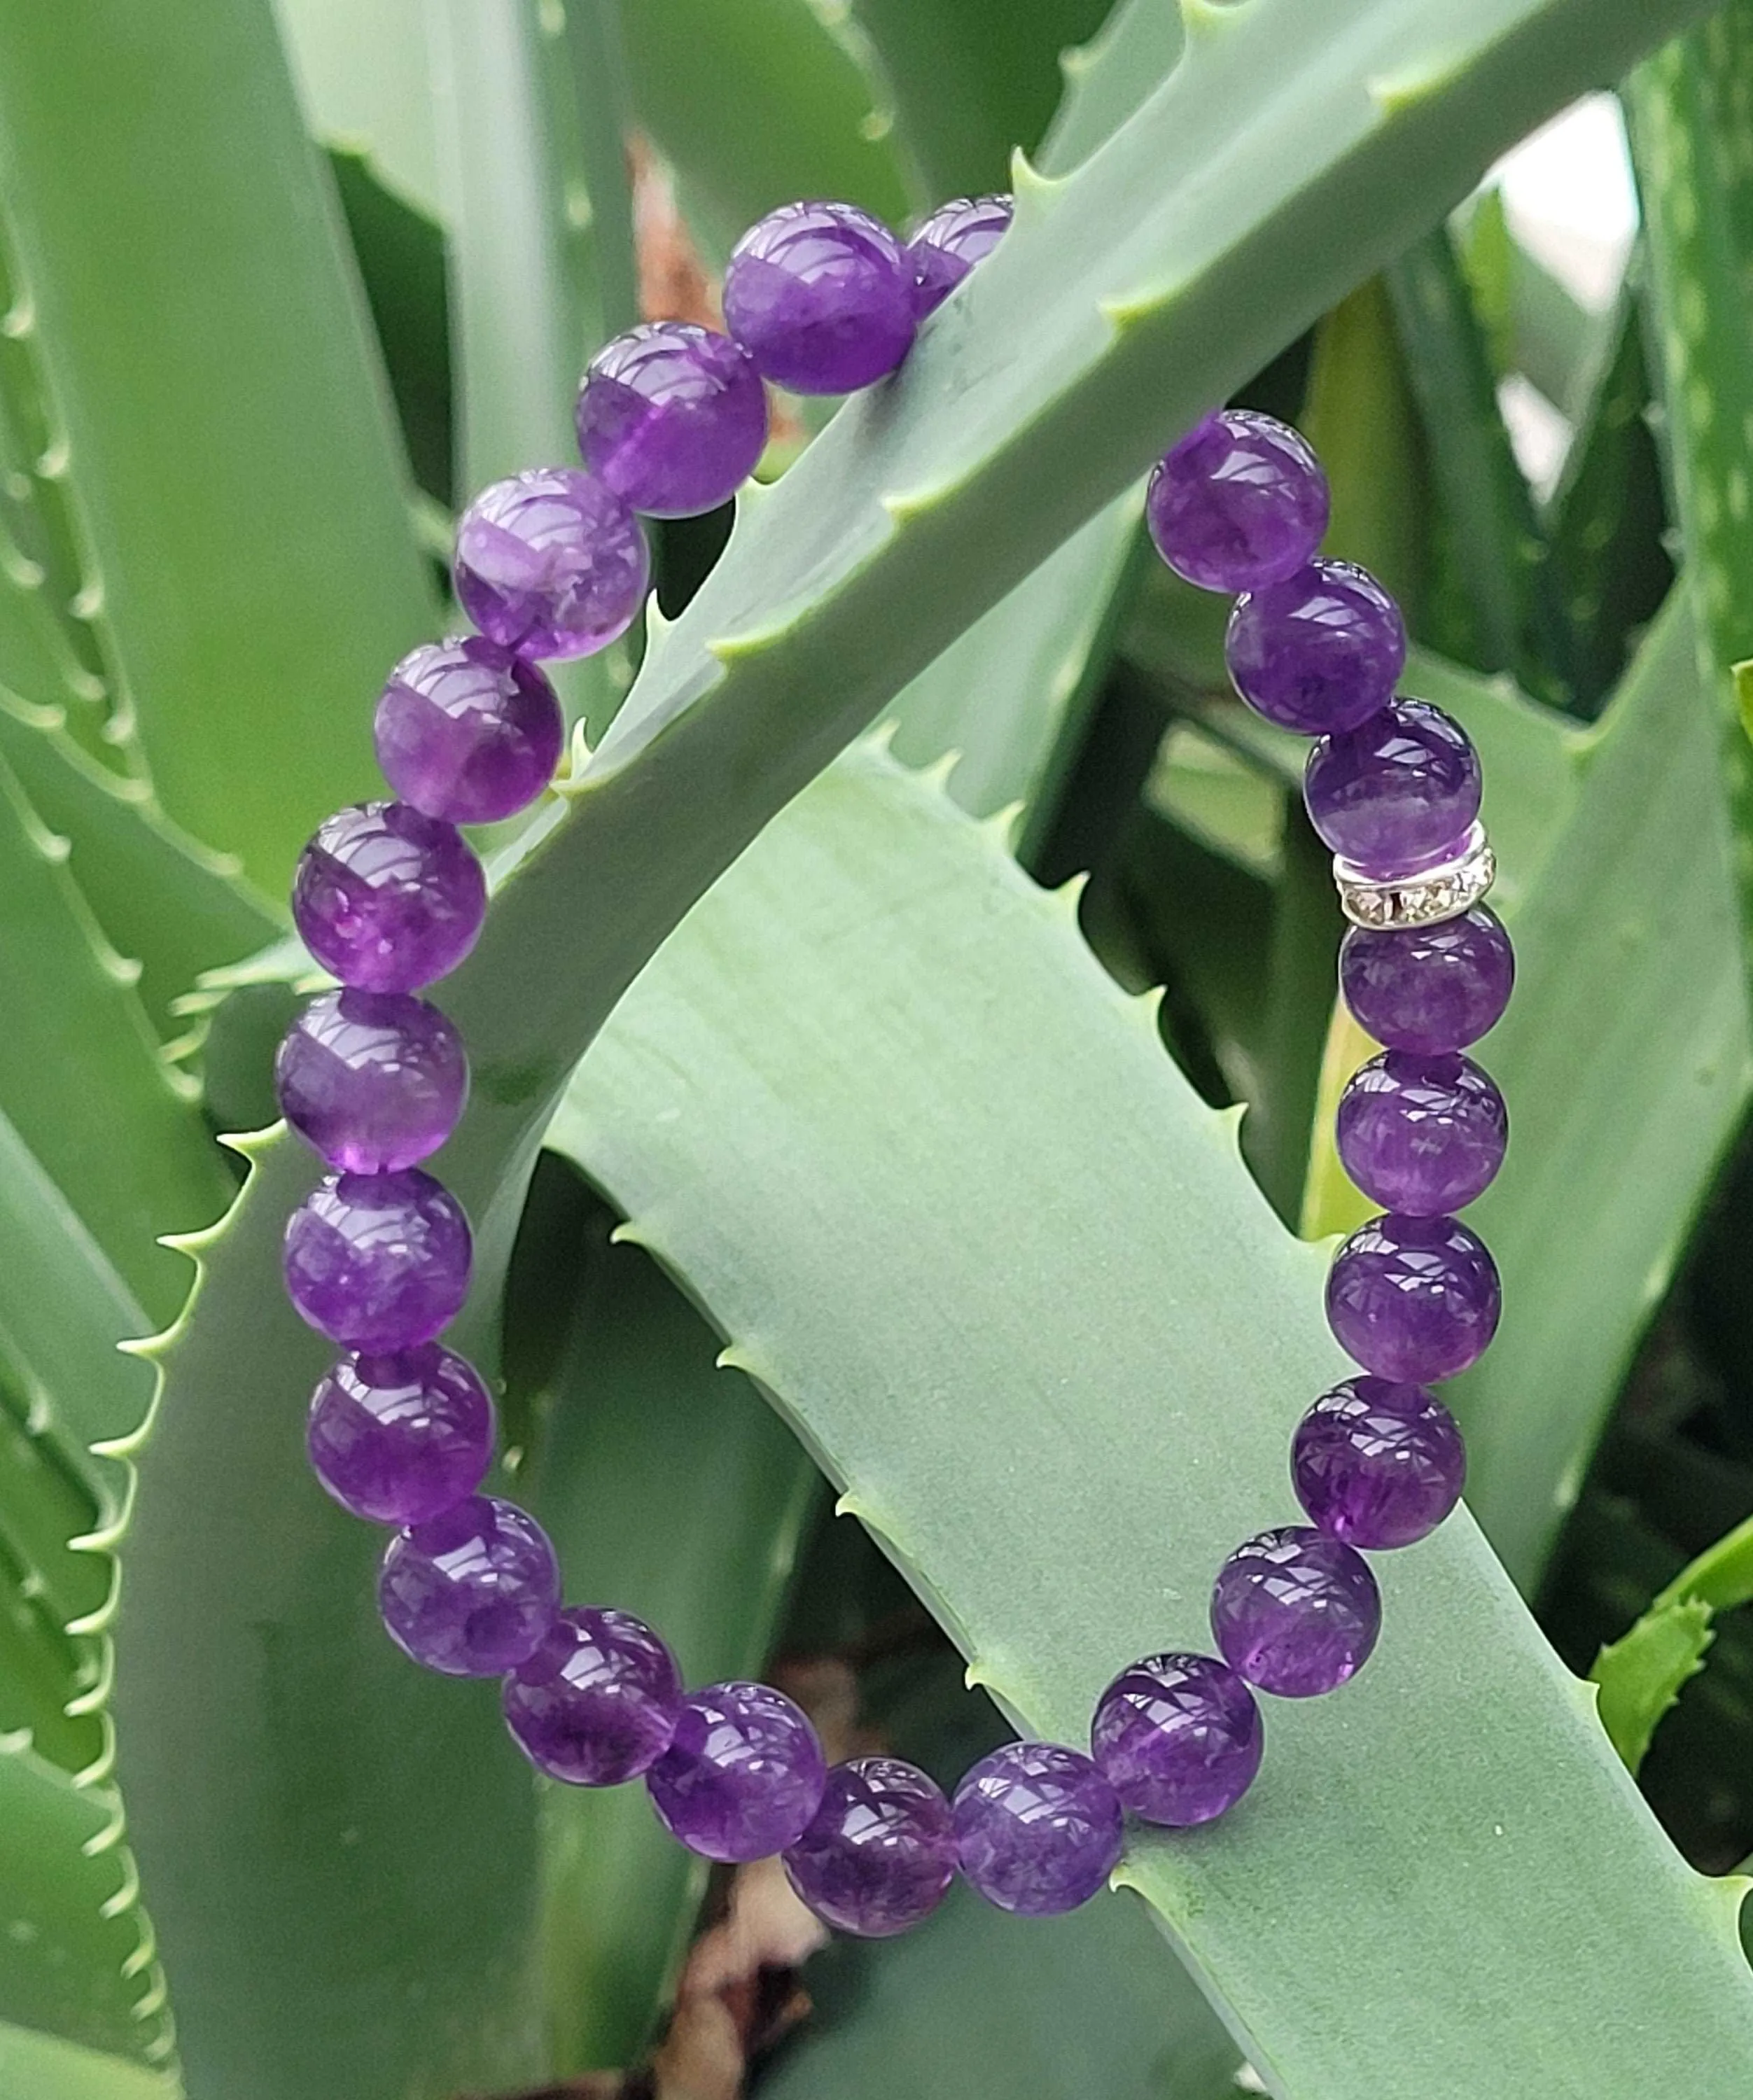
[[1421, 900]]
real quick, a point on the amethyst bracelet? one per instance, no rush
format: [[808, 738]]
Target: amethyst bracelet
[[552, 564]]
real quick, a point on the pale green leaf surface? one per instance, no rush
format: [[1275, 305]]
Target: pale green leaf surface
[[671, 1490], [143, 1166], [76, 1955], [363, 69], [974, 2004], [1059, 1471], [38, 2067], [239, 490]]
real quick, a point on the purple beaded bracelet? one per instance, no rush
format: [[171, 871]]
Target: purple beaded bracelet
[[552, 564]]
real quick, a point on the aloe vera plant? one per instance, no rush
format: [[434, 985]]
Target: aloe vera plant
[[812, 1140]]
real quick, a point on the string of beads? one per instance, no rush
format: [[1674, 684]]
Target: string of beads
[[552, 564]]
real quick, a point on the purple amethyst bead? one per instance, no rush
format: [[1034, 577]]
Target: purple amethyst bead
[[880, 1851], [1398, 795], [821, 297], [400, 1439], [1038, 1827], [1413, 1299], [1421, 1134], [551, 563], [387, 899], [1240, 501], [1318, 652], [1295, 1612], [466, 731], [1378, 1465], [1178, 1737], [957, 235], [1429, 988], [378, 1262], [598, 1701], [674, 417], [473, 1592], [374, 1081], [743, 1775]]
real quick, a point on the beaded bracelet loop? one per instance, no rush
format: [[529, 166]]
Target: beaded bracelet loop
[[552, 564]]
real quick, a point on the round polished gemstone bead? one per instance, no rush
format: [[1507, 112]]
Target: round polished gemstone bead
[[400, 1439], [1377, 1464], [672, 417], [821, 297], [387, 899], [1038, 1827], [378, 1261], [551, 563], [957, 235], [1178, 1737], [1413, 1299], [1420, 1134], [743, 1775], [471, 1593], [1294, 1611], [1240, 501], [1398, 795], [880, 1851], [1319, 652], [467, 731], [373, 1080], [1429, 988], [598, 1701]]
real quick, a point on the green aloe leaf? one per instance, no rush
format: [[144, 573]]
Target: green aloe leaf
[[44, 2068], [77, 1959], [82, 1037], [859, 1234], [1500, 561], [162, 900], [1685, 107], [672, 1490], [973, 79], [238, 487], [760, 103]]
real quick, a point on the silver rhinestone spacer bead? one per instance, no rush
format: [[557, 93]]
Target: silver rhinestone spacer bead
[[1418, 900]]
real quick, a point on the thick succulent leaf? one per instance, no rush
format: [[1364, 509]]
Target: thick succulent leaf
[[1686, 108], [672, 1490], [895, 1265], [1618, 887], [972, 2003], [1534, 324], [162, 900], [1010, 696], [77, 1958], [364, 77], [41, 2067], [758, 104], [973, 79], [1608, 518], [81, 1037], [1641, 1675], [530, 301], [1499, 557], [230, 457]]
